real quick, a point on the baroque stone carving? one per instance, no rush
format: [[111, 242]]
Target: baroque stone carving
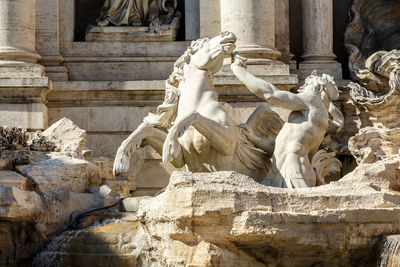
[[377, 96], [154, 20], [375, 26], [377, 92], [137, 12], [298, 141], [192, 128]]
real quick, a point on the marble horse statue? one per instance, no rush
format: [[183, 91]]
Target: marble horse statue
[[191, 128]]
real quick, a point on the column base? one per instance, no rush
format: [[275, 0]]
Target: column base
[[332, 68], [19, 69], [257, 54], [8, 53], [318, 57]]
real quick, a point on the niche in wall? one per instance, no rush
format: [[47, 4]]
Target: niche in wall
[[87, 12]]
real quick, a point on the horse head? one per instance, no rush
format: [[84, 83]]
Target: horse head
[[211, 53]]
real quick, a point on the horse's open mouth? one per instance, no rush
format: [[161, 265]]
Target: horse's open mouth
[[228, 45], [228, 41]]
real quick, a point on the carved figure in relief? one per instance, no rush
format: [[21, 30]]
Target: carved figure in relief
[[302, 134], [137, 12], [192, 128]]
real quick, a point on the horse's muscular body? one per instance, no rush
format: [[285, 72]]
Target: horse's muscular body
[[202, 136]]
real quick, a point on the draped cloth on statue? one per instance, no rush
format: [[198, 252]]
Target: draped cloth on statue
[[135, 12]]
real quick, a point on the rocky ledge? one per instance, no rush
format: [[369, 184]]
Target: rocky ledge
[[45, 183], [227, 219]]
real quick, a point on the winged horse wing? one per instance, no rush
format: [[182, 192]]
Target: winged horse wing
[[264, 123], [256, 138]]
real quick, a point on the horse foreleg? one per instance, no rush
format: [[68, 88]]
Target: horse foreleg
[[219, 136], [143, 135]]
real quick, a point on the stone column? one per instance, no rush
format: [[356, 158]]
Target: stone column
[[253, 22], [22, 80], [282, 32], [210, 19], [318, 38], [17, 38], [47, 39]]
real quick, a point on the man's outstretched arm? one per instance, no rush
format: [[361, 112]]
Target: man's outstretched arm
[[266, 90]]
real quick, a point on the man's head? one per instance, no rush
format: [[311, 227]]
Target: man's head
[[323, 85]]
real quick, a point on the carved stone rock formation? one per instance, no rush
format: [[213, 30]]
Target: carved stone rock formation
[[375, 26], [372, 144], [377, 93], [67, 137], [377, 100], [42, 191], [227, 219]]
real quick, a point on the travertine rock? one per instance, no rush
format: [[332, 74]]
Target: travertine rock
[[62, 173], [131, 204], [64, 207], [372, 144], [106, 166], [6, 160], [377, 93], [67, 137], [382, 174], [20, 205], [10, 178], [334, 224], [42, 199], [227, 219], [22, 157]]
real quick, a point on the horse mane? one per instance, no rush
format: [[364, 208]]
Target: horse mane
[[167, 111]]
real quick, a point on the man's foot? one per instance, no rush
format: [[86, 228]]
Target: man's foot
[[103, 23]]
